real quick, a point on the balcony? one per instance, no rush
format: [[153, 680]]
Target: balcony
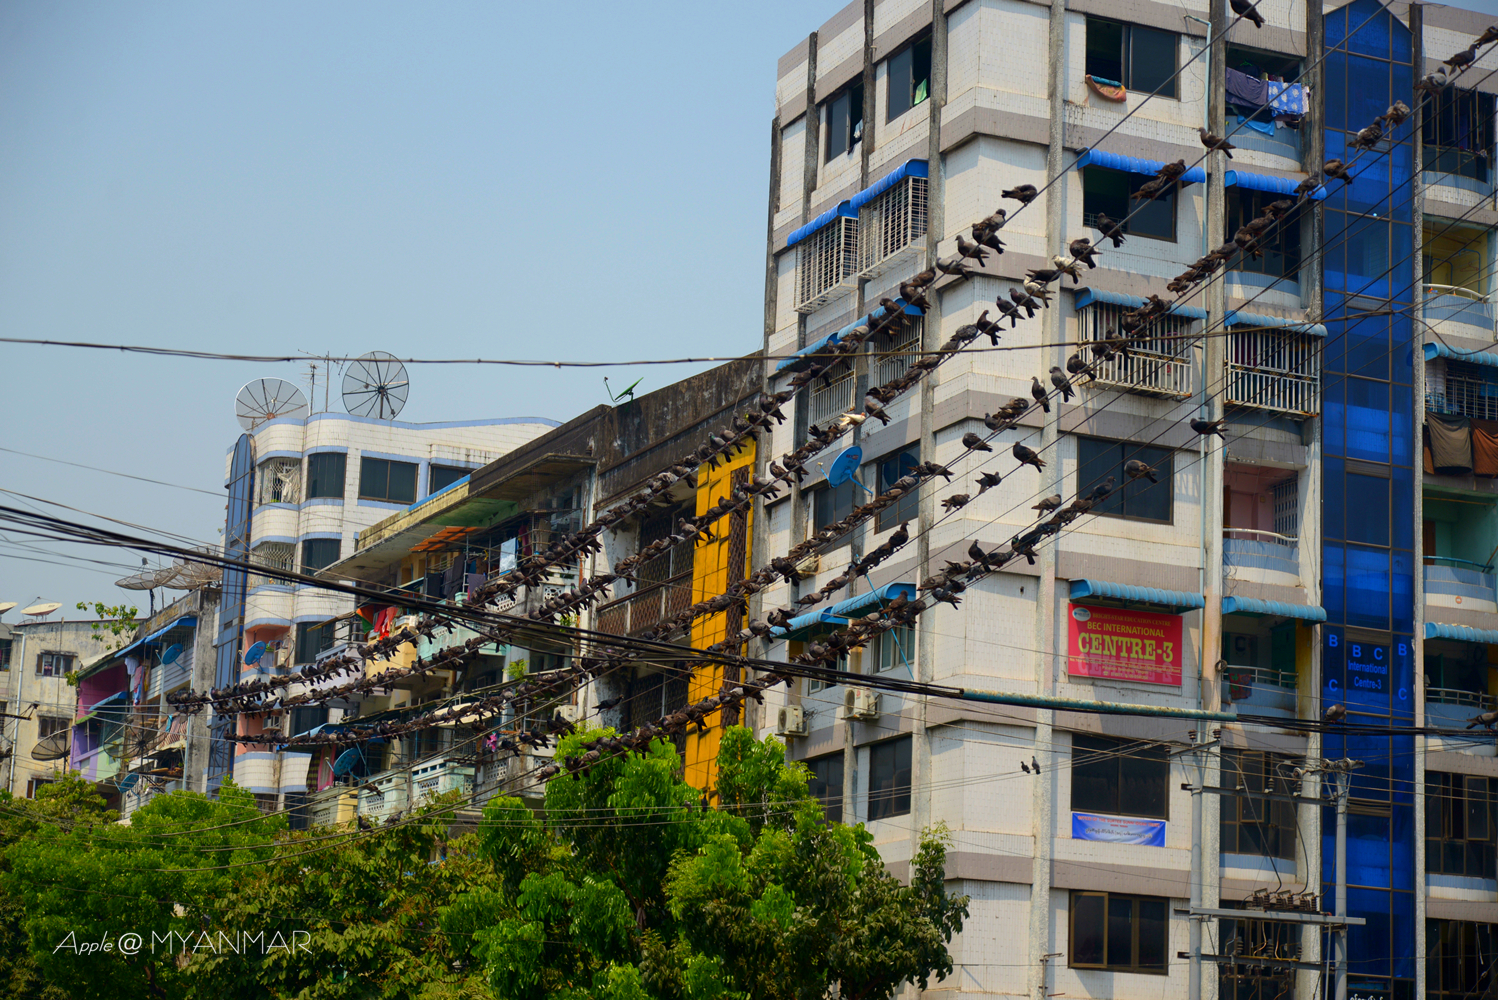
[[832, 396], [1455, 304], [1461, 580], [827, 264], [1274, 370], [892, 227], [647, 607], [1159, 366], [1260, 690]]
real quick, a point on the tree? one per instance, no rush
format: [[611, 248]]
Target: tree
[[114, 622]]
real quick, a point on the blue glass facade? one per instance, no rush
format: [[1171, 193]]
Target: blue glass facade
[[1369, 482]]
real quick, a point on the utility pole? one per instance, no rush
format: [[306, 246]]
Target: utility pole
[[1343, 769], [1214, 366], [1198, 751]]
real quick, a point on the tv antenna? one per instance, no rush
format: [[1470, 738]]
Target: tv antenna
[[625, 393], [267, 399], [375, 385], [328, 364]]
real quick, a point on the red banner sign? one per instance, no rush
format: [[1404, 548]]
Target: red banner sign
[[1119, 644]]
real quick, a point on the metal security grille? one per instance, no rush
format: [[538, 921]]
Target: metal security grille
[[1160, 365], [278, 481], [272, 555], [833, 395], [1274, 370], [827, 259], [1468, 391], [891, 227], [899, 349], [1287, 508]]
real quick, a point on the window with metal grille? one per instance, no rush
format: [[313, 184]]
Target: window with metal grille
[[54, 664], [1277, 370], [1469, 391], [278, 480], [272, 555], [326, 472], [1461, 819], [892, 226], [51, 725], [896, 349], [825, 261], [1287, 507], [1117, 932], [889, 779], [1459, 133], [1119, 777], [832, 394], [1159, 365], [1252, 824], [1460, 958]]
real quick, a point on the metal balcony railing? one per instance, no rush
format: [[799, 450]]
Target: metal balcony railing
[[896, 359], [647, 608], [1459, 696], [1252, 547], [830, 400], [1159, 366], [826, 264], [1460, 578], [1244, 676], [1459, 291], [1274, 370], [892, 227]]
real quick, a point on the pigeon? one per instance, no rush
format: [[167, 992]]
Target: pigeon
[[953, 266], [1009, 309], [1061, 382], [1136, 469], [1205, 427], [977, 555], [1027, 457], [1078, 367], [1083, 250], [1396, 115], [1433, 83], [1024, 767], [1049, 504], [1216, 142], [973, 442], [1461, 60], [987, 481], [1150, 190], [1038, 392], [956, 501], [1041, 276], [986, 232], [977, 251], [1485, 719], [1101, 490], [1489, 36], [1245, 9], [1368, 138], [1171, 171], [876, 411], [1035, 765], [900, 537], [1337, 169], [608, 703], [1276, 209], [1024, 301], [1024, 194], [932, 469], [985, 325], [1110, 229], [1067, 266], [1308, 187], [1334, 713]]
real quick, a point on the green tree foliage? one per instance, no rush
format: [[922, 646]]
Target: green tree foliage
[[116, 621]]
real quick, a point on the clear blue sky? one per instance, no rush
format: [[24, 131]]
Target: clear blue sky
[[452, 179]]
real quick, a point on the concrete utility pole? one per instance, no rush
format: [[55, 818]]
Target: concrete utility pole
[[1343, 769], [1215, 365]]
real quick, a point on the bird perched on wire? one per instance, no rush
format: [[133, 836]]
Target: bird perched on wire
[[1118, 343], [1337, 169], [1084, 251], [1461, 60], [1396, 115], [1024, 767], [973, 442], [933, 469], [1009, 309], [1100, 492], [1110, 228], [1150, 190], [1367, 138], [1078, 367], [988, 481], [1433, 83], [914, 294], [1485, 719], [956, 501], [1216, 142], [1171, 171], [1026, 456], [1049, 504], [1024, 301], [1062, 383], [986, 231], [1024, 194], [1308, 187], [1246, 10], [1066, 265], [953, 266], [876, 411], [1205, 427], [1136, 469], [976, 251], [1038, 393], [1334, 713], [1039, 292], [1041, 276], [1489, 36], [989, 327]]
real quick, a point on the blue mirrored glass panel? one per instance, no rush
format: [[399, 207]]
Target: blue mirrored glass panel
[[1368, 594], [1367, 420]]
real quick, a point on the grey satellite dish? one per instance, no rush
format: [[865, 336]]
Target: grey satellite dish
[[54, 747], [42, 610], [375, 385], [267, 399], [6, 606]]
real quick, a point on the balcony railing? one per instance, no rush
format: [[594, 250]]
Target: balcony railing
[[1252, 547], [1460, 578], [1458, 696], [895, 361], [1274, 370], [892, 227], [826, 264], [1453, 303], [1245, 676], [827, 401], [649, 607]]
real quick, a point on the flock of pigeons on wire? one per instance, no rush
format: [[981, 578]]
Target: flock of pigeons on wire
[[945, 586]]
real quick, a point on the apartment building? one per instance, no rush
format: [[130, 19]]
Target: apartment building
[[1324, 568]]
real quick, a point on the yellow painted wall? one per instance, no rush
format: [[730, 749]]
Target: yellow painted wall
[[709, 579]]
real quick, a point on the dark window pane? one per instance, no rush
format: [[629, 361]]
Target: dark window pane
[[319, 552], [1097, 459], [1279, 247], [325, 474], [403, 482], [1368, 514], [1094, 775], [1108, 191], [893, 468], [1105, 41], [899, 84], [920, 72], [1152, 933], [1088, 916], [305, 717], [380, 479], [1152, 61], [889, 779], [826, 784], [442, 476], [311, 639], [1120, 931], [1143, 775], [833, 503]]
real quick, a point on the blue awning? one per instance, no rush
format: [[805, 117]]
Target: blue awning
[[843, 208], [1433, 351], [1267, 182], [1250, 606], [910, 168], [1175, 600], [1088, 296], [1236, 318], [1134, 165], [1461, 633], [802, 358], [186, 621], [837, 616]]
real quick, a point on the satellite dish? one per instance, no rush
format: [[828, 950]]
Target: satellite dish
[[170, 654], [40, 610], [346, 762], [150, 579], [128, 782], [266, 399], [6, 606], [253, 654], [54, 747], [375, 386], [845, 467]]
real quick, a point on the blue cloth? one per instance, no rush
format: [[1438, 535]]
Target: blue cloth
[[1266, 127], [1287, 98]]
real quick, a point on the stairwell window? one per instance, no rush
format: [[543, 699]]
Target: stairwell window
[[313, 638], [381, 479], [1280, 247], [1108, 191], [1119, 777], [1141, 59], [1254, 825], [845, 121], [1461, 825], [319, 552], [889, 779], [1118, 933], [440, 477]]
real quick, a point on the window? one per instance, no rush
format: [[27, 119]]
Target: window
[[1280, 246], [51, 725], [895, 648], [440, 477], [36, 785], [380, 479], [278, 480], [845, 121], [1141, 59], [54, 664], [1460, 823], [826, 784], [1098, 459], [1459, 133], [319, 552], [311, 639], [5, 645], [1252, 825], [307, 717], [1119, 777], [1121, 933], [1459, 959], [1108, 191], [1243, 101], [889, 779], [893, 468], [326, 472], [833, 503], [909, 78], [813, 685]]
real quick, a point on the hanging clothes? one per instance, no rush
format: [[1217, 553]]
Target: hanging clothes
[[1485, 447], [1450, 444]]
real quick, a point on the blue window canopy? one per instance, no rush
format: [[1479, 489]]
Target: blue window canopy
[[1102, 590], [1460, 633], [843, 209], [1251, 606], [803, 358], [1237, 318], [1433, 351], [186, 621], [1092, 296], [849, 209], [1134, 165], [835, 617], [1268, 182]]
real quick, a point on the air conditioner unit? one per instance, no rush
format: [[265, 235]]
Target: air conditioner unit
[[860, 703], [790, 721], [568, 713]]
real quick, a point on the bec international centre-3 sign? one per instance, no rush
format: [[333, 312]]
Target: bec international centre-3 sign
[[1120, 644]]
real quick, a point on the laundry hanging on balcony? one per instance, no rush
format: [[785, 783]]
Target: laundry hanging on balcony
[[1450, 443]]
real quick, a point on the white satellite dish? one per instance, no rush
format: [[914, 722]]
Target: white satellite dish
[[266, 399], [150, 579], [375, 385], [41, 610], [6, 606]]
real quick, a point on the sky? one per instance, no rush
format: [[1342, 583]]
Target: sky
[[434, 180]]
